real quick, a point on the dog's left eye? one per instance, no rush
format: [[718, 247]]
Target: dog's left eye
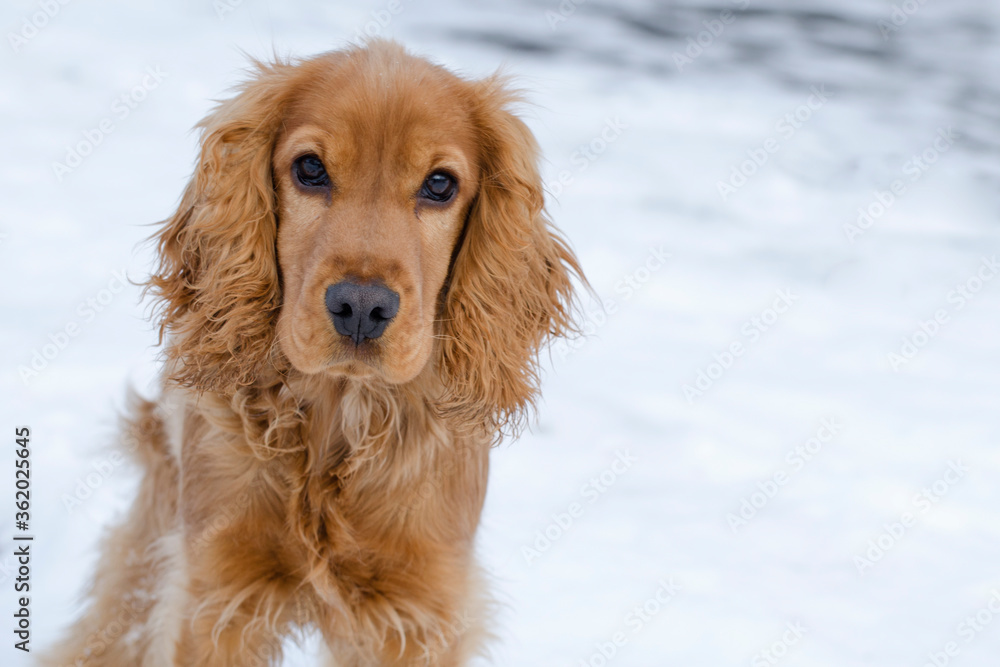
[[439, 187], [310, 171]]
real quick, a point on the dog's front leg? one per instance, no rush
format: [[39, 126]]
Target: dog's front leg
[[235, 621], [429, 638], [241, 599]]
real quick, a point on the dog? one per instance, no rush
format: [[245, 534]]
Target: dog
[[352, 296]]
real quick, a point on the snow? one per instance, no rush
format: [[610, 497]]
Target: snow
[[787, 581]]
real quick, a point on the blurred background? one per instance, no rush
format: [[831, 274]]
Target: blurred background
[[779, 442]]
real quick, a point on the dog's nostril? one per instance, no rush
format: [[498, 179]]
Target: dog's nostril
[[361, 311]]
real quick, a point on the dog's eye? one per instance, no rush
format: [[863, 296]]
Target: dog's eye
[[310, 171], [439, 187]]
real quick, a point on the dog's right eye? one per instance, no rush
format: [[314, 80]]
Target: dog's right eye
[[310, 171], [439, 187]]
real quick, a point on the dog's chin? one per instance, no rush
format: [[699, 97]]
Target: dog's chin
[[368, 362]]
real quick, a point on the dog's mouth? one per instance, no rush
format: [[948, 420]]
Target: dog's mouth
[[353, 358], [351, 369], [395, 358]]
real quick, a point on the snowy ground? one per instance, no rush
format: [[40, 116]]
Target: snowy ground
[[804, 479]]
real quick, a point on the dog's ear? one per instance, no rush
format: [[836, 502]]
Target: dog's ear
[[217, 281], [510, 287]]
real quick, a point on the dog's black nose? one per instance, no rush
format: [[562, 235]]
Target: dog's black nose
[[361, 311]]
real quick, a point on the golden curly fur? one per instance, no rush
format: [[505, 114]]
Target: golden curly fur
[[294, 479]]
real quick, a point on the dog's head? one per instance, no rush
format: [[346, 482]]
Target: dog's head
[[369, 215]]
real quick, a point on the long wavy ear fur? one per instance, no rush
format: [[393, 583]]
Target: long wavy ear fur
[[510, 285], [217, 280]]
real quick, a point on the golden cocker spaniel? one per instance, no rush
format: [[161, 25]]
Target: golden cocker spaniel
[[353, 292]]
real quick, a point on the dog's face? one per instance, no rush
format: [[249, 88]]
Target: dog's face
[[373, 188], [365, 215]]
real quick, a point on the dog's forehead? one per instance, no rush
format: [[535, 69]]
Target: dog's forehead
[[377, 99]]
